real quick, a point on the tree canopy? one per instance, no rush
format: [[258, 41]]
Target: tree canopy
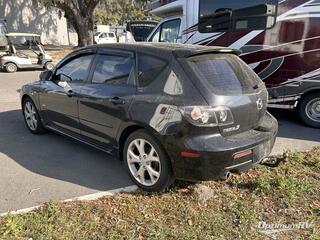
[[82, 14], [117, 12]]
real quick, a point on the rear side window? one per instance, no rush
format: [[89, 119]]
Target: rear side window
[[149, 68], [113, 70], [224, 74]]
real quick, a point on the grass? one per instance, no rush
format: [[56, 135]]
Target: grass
[[212, 210], [58, 55]]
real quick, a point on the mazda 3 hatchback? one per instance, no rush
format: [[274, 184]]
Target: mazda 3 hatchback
[[167, 111]]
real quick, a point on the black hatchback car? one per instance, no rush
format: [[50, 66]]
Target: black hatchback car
[[168, 111]]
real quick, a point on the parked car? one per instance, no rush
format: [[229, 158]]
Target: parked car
[[105, 37], [168, 111], [30, 54]]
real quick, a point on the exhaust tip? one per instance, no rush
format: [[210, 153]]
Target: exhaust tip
[[226, 176]]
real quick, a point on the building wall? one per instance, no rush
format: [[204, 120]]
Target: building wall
[[24, 16]]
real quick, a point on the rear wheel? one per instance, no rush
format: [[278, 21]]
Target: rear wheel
[[11, 67], [147, 162], [309, 110], [49, 66], [32, 117]]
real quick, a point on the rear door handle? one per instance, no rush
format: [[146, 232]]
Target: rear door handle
[[117, 101]]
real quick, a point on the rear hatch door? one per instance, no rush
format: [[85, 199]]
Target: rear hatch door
[[225, 80]]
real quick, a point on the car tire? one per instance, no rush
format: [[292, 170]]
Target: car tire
[[149, 167], [11, 67], [31, 117], [49, 66], [309, 110]]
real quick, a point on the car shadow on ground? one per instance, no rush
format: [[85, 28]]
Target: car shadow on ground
[[58, 157], [290, 126]]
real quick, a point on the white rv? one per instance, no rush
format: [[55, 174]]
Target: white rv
[[283, 47]]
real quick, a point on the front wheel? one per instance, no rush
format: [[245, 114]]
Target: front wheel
[[32, 117], [309, 110], [147, 162], [11, 67]]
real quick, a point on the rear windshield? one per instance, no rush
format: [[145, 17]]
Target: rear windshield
[[224, 74]]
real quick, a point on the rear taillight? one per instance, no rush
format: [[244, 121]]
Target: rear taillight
[[206, 116]]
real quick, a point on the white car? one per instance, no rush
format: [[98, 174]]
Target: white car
[[105, 37]]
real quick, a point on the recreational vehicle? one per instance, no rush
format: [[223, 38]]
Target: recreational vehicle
[[283, 48]]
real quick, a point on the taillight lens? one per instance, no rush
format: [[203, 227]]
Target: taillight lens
[[206, 116]]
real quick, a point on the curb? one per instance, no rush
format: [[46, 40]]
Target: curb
[[90, 197]]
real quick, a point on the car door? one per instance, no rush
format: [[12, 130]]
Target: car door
[[112, 38], [105, 100], [103, 38], [59, 97]]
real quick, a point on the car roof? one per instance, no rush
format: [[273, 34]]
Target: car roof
[[166, 50]]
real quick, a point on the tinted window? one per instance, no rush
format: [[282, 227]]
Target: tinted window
[[170, 31], [149, 68], [77, 69], [140, 33], [114, 70], [224, 74]]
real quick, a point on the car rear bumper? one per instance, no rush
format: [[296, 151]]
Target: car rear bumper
[[219, 155]]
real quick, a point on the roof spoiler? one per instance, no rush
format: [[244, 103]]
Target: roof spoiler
[[216, 50], [197, 52]]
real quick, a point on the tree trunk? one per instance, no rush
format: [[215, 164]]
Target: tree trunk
[[84, 29], [80, 15]]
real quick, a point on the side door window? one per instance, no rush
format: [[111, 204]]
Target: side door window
[[114, 70], [74, 71], [167, 32]]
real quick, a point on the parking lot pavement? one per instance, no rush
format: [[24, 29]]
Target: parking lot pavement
[[36, 169], [293, 135]]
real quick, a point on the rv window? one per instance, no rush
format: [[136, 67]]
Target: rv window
[[236, 15], [167, 32], [155, 37], [170, 31]]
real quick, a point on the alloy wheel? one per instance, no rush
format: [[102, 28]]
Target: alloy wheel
[[143, 162], [30, 115]]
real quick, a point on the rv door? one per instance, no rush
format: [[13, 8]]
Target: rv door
[[236, 15]]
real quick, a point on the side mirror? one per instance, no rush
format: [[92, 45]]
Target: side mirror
[[46, 75], [61, 77], [219, 16]]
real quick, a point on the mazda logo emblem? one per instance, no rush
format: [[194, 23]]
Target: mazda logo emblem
[[259, 104]]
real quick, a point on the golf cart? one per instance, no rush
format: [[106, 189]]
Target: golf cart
[[25, 51]]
